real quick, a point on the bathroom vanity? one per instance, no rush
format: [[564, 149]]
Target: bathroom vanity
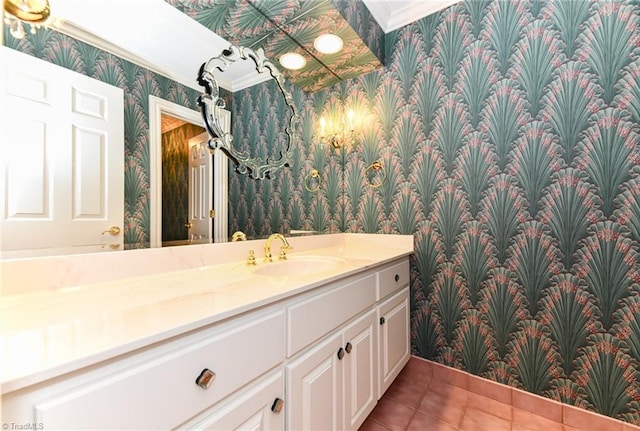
[[310, 342]]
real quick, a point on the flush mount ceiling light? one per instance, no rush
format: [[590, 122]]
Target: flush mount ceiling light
[[328, 43], [292, 61]]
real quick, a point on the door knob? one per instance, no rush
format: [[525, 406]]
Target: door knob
[[113, 230], [188, 225]]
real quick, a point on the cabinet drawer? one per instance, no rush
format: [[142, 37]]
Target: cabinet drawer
[[161, 392], [392, 279], [251, 409], [317, 314]]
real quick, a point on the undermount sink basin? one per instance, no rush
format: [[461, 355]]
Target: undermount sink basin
[[299, 265]]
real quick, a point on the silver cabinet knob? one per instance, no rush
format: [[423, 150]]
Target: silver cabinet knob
[[277, 405], [206, 378], [348, 347], [341, 353]]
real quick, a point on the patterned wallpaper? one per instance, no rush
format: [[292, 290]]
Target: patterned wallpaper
[[510, 134], [138, 83], [260, 208]]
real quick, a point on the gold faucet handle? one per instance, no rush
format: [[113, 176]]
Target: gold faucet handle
[[283, 253], [238, 236], [251, 260], [267, 256]]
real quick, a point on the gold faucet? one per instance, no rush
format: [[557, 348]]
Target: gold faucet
[[238, 236], [267, 247]]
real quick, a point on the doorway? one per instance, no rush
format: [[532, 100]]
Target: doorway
[[174, 132], [178, 183]]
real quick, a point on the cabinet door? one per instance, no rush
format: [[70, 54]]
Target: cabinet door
[[393, 317], [314, 388], [253, 409], [360, 370]]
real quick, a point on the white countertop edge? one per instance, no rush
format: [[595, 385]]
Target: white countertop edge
[[16, 383]]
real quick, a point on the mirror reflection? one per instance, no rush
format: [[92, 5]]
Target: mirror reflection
[[257, 208], [181, 152], [136, 222]]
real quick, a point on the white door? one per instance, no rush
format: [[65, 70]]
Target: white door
[[200, 190], [62, 153], [157, 108], [394, 338], [361, 370], [314, 389]]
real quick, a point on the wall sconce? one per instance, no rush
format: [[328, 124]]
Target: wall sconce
[[17, 12], [337, 132]]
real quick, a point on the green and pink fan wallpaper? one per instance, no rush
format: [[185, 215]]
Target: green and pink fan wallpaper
[[509, 132], [510, 135]]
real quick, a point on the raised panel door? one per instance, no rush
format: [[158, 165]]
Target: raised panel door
[[394, 338], [314, 388], [360, 370]]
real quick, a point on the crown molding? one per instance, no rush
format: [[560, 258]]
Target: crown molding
[[393, 14], [72, 30]]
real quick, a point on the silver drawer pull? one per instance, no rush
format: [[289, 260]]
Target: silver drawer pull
[[277, 405], [397, 278], [206, 378]]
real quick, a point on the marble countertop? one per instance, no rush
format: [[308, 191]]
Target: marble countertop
[[66, 326]]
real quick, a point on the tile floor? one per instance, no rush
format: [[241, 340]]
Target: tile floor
[[430, 397]]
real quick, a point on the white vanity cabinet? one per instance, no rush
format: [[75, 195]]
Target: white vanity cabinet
[[156, 388], [342, 364], [316, 360], [336, 383], [333, 386]]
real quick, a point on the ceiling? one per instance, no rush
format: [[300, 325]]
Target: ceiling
[[177, 37], [393, 14]]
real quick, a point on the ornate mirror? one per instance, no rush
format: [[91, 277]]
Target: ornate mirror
[[211, 104]]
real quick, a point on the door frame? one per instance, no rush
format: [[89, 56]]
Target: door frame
[[157, 107]]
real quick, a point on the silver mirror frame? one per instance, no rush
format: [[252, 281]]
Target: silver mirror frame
[[210, 104]]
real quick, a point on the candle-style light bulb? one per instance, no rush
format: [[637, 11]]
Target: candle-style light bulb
[[350, 116]]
